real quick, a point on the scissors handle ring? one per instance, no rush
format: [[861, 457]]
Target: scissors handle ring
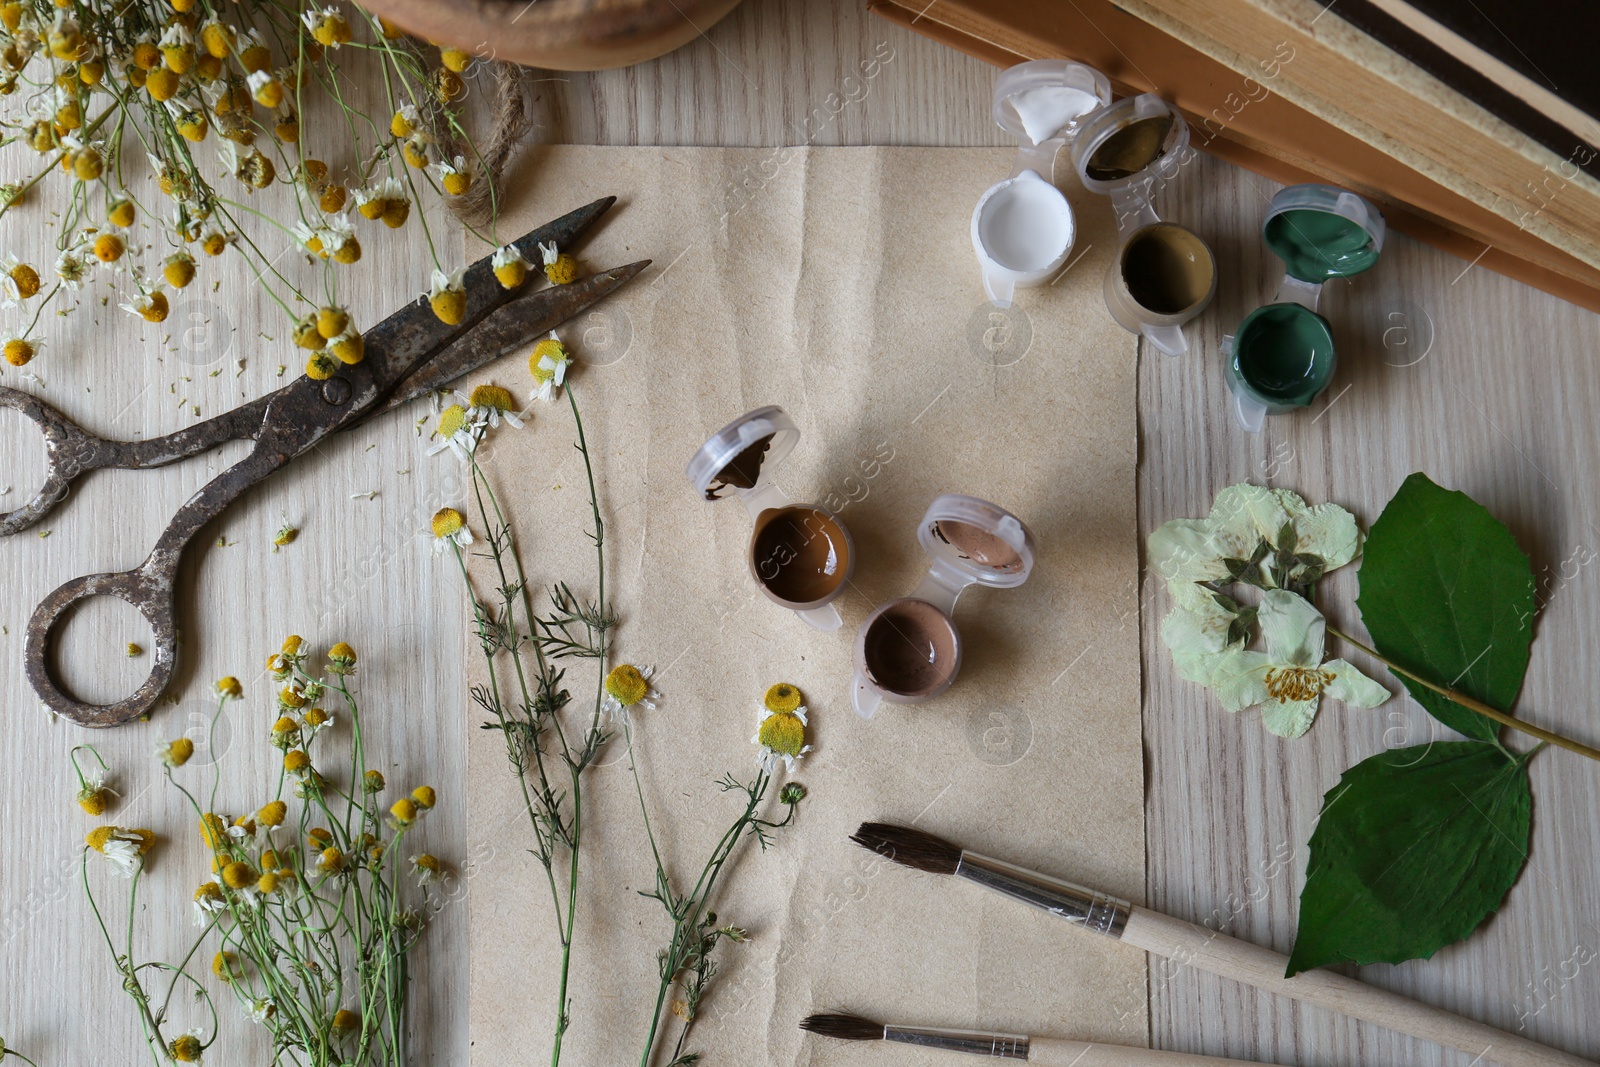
[[144, 591], [69, 451]]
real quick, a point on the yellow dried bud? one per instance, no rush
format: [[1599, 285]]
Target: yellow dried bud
[[108, 248], [178, 269], [121, 213], [331, 321], [238, 874]]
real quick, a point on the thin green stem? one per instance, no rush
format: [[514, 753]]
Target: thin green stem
[[1472, 704]]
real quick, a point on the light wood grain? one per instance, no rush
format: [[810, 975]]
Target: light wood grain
[[1500, 407]]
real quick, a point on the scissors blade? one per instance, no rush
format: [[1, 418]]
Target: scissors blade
[[508, 327], [396, 345]]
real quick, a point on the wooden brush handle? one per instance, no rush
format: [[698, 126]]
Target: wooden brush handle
[[1207, 950], [1048, 1052]]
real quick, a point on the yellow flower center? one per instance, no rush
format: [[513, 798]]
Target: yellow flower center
[[783, 697], [447, 522], [626, 685], [452, 419], [493, 396], [1287, 684], [549, 348], [783, 733]]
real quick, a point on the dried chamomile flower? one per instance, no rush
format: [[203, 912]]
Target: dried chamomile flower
[[493, 403], [417, 150], [226, 966], [372, 782], [427, 868], [548, 365], [186, 1048], [510, 266], [628, 687], [108, 247], [178, 269], [92, 796], [342, 659], [449, 528], [781, 733], [72, 267], [459, 429], [19, 282], [328, 26], [20, 351], [229, 688], [208, 901], [559, 267], [121, 213], [175, 753], [453, 176], [406, 121], [348, 347], [792, 793], [125, 849], [151, 306], [345, 1021], [448, 296], [404, 813]]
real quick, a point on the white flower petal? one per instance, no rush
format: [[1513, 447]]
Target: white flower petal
[[1350, 686], [1329, 532], [1288, 718], [1242, 515], [1181, 552], [1239, 679], [1188, 632], [1294, 630]]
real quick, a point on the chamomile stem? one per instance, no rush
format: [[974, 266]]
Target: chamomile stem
[[1472, 704]]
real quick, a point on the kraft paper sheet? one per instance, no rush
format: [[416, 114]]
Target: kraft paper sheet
[[840, 284]]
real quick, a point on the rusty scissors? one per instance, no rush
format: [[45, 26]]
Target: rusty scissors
[[408, 355]]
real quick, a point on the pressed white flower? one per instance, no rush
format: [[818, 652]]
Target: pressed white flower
[[1264, 537], [1198, 636], [781, 736], [628, 687], [1289, 679]]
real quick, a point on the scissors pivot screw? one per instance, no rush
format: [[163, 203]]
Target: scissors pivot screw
[[336, 391]]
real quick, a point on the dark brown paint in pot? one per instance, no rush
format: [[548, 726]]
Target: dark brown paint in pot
[[801, 556], [910, 649]]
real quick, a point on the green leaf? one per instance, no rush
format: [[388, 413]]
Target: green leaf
[[1413, 850], [1446, 593]]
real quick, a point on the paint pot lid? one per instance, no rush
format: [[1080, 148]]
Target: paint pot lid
[[1104, 152], [742, 440], [982, 542], [1046, 99], [1323, 231]]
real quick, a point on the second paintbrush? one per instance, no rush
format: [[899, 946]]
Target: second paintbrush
[[1043, 1051]]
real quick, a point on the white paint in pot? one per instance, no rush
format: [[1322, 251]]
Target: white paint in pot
[[1044, 110], [1022, 232]]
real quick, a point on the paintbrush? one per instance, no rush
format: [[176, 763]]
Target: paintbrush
[[1208, 950], [1047, 1052]]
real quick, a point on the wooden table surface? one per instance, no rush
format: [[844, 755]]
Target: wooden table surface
[[1500, 405]]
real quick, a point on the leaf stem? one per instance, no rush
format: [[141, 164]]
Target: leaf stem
[[1471, 704]]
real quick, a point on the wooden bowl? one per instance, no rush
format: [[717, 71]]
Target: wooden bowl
[[557, 34]]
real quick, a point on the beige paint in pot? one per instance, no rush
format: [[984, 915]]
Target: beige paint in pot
[[1163, 276], [909, 650]]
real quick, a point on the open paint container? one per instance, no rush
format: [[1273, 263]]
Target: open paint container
[[1282, 355], [1163, 274], [909, 649], [1023, 228], [800, 555]]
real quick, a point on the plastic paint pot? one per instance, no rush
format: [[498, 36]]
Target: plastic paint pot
[[909, 649], [800, 555]]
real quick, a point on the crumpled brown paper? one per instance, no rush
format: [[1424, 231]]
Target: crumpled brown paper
[[840, 284]]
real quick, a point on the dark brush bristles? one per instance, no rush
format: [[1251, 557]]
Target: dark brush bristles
[[917, 849], [845, 1027]]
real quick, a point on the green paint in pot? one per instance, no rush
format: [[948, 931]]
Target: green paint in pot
[[1318, 245], [1283, 353]]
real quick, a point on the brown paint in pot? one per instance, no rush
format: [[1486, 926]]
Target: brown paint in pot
[[1167, 269], [910, 649], [801, 555]]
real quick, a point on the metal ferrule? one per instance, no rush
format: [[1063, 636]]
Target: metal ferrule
[[1083, 907], [976, 1042]]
